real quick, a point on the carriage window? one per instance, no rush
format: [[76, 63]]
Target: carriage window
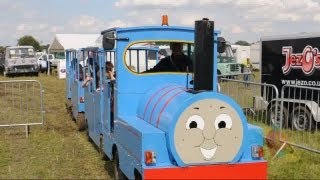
[[110, 56], [145, 57]]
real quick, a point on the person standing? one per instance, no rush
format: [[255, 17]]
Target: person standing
[[247, 71]]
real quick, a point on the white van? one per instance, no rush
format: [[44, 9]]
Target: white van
[[43, 60]]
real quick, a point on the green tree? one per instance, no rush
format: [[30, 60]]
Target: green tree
[[29, 41], [45, 47], [242, 43], [2, 49]]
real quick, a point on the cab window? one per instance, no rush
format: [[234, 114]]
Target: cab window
[[153, 57]]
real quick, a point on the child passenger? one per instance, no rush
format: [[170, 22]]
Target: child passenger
[[109, 74], [109, 71]]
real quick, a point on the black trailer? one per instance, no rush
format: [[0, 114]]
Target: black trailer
[[293, 60]]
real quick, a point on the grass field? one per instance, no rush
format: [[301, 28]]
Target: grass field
[[53, 151], [57, 151]]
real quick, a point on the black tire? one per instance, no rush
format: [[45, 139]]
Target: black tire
[[88, 136], [302, 119], [137, 175], [274, 116], [80, 121], [118, 174], [68, 106], [101, 152]]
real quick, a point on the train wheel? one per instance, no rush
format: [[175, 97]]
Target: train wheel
[[68, 106], [81, 123], [302, 119], [274, 116], [118, 174], [101, 152], [137, 175], [88, 136]]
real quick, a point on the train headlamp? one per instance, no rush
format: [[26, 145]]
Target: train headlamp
[[256, 152], [150, 157]]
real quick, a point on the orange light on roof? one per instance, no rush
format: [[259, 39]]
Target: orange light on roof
[[165, 20], [149, 157]]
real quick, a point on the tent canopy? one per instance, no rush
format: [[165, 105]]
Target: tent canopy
[[61, 42]]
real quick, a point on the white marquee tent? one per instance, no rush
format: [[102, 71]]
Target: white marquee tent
[[61, 42]]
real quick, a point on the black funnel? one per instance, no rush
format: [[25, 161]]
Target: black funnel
[[203, 63]]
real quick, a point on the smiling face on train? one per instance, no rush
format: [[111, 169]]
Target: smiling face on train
[[208, 131]]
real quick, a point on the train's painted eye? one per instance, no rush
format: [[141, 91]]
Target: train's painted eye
[[195, 121], [223, 121]]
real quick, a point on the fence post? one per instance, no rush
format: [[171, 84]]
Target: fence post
[[48, 69]]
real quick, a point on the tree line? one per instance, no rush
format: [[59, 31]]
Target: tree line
[[28, 40]]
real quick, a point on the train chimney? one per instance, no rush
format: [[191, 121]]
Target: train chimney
[[203, 62]]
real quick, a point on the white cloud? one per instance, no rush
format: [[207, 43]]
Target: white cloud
[[8, 5], [316, 18], [56, 29], [245, 19], [87, 21], [30, 14], [287, 17], [237, 29], [90, 24], [43, 26], [116, 23], [24, 27], [262, 28], [215, 2], [155, 3]]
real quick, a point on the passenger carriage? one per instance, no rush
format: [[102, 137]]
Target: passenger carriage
[[75, 61]]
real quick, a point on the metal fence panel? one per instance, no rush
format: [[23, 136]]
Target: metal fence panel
[[255, 100], [292, 119], [21, 103], [300, 117]]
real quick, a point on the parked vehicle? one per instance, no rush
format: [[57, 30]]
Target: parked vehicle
[[293, 60], [227, 63], [2, 57], [159, 125], [43, 60], [20, 60], [56, 57], [241, 53]]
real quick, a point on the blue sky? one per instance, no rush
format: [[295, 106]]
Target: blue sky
[[237, 19]]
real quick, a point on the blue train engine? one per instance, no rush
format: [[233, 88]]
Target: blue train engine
[[170, 124]]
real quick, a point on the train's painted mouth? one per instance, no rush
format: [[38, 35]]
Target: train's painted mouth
[[208, 153]]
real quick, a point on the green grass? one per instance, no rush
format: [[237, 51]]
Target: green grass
[[58, 151], [53, 151], [298, 164]]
